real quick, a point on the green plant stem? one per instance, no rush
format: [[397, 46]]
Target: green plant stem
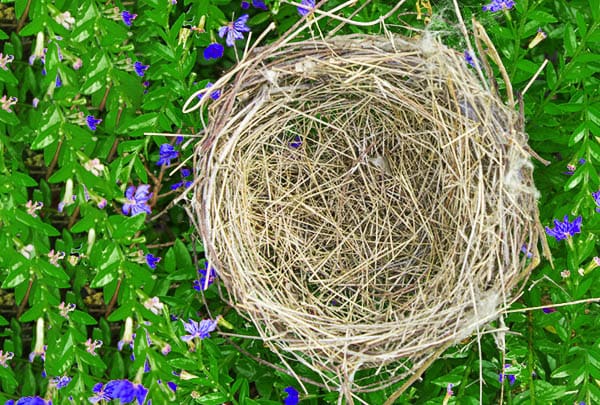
[[530, 361]]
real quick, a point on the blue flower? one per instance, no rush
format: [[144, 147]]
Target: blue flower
[[469, 58], [61, 382], [310, 4], [207, 277], [140, 68], [596, 197], [167, 153], [152, 260], [256, 4], [128, 17], [296, 143], [214, 51], [137, 200], [564, 229], [28, 401], [172, 385], [498, 5], [198, 330], [184, 173], [215, 94], [292, 396], [511, 378], [58, 82], [123, 390], [234, 30], [92, 122]]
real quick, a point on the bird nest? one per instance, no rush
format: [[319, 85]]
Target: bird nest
[[365, 201]]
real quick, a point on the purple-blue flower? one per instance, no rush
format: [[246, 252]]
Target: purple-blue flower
[[296, 143], [469, 58], [310, 4], [152, 260], [123, 390], [511, 378], [207, 277], [140, 68], [28, 401], [198, 330], [137, 200], [548, 310], [215, 94], [186, 183], [564, 229], [92, 122], [128, 17], [213, 51], [167, 153], [61, 382], [498, 5], [596, 197], [255, 3], [292, 396], [58, 82], [234, 30]]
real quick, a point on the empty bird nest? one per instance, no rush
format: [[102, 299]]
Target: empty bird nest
[[364, 201]]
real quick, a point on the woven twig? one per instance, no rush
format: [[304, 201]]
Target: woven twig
[[364, 201]]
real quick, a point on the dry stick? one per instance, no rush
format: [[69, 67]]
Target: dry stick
[[24, 16], [103, 102], [113, 149], [482, 34], [54, 160], [25, 299], [113, 299]]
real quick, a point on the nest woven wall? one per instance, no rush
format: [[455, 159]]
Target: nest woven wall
[[364, 201]]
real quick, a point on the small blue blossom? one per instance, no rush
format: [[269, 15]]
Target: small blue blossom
[[215, 94], [152, 260], [548, 310], [207, 277], [199, 330], [92, 122], [310, 5], [596, 197], [178, 140], [292, 396], [296, 143], [469, 58], [137, 200], [564, 229], [28, 401], [185, 172], [167, 153], [234, 30], [140, 68], [128, 17], [511, 378], [526, 252], [61, 382], [123, 390], [499, 5], [582, 161], [58, 82], [260, 4], [172, 385], [213, 51]]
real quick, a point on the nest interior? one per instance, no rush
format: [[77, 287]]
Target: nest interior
[[364, 201]]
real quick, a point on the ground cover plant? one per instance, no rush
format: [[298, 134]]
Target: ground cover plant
[[105, 293]]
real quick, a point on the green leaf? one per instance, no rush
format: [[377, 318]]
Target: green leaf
[[35, 223], [145, 121], [184, 260], [216, 398], [82, 318], [105, 276], [570, 40], [16, 276]]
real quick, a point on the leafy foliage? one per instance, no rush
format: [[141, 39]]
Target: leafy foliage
[[86, 79]]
